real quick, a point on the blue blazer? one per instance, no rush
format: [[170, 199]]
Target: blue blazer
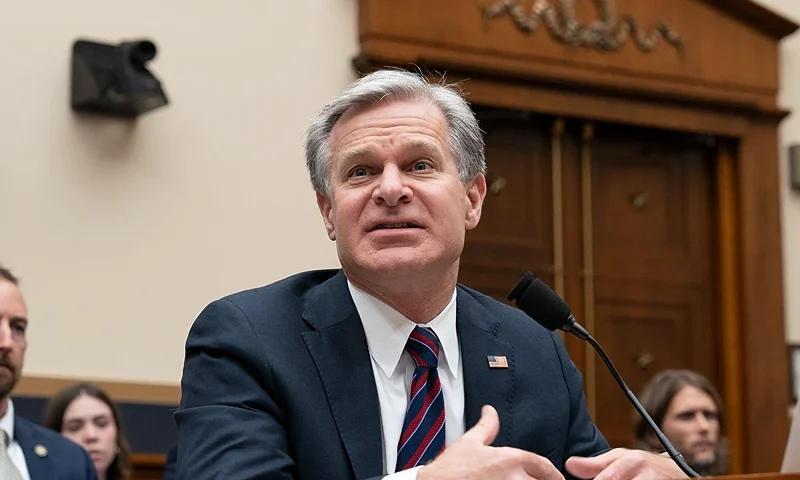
[[169, 464], [277, 384], [49, 455]]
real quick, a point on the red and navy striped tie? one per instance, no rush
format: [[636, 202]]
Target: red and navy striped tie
[[423, 429]]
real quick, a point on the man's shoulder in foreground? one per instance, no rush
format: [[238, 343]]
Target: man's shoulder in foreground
[[281, 308], [292, 290], [50, 455]]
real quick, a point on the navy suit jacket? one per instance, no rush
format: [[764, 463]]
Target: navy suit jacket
[[278, 384], [50, 456], [169, 464]]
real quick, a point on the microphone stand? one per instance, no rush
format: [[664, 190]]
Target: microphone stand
[[673, 453], [573, 327]]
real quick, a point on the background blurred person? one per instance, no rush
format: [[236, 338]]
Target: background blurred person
[[28, 451], [688, 409], [85, 414]]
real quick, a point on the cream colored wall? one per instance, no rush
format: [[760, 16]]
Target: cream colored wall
[[122, 232], [789, 98]]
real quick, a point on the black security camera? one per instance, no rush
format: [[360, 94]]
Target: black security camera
[[114, 79]]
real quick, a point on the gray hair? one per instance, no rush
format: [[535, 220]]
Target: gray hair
[[466, 138]]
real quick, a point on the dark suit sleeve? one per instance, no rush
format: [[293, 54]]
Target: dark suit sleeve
[[91, 473], [85, 469], [169, 464], [229, 424], [583, 438]]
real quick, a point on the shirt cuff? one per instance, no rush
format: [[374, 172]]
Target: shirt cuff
[[410, 474]]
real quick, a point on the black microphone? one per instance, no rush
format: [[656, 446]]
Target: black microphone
[[544, 305]]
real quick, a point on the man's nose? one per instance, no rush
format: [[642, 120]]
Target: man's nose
[[702, 422], [5, 335], [392, 189]]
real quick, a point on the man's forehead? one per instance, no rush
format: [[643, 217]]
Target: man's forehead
[[388, 114], [402, 143], [692, 398], [11, 300]]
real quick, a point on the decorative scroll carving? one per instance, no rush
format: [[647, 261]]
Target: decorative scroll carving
[[607, 33]]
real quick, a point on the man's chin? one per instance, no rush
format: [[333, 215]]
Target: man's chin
[[703, 460], [7, 385], [393, 261]]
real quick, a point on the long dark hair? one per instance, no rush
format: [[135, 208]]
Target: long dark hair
[[120, 468], [656, 398]]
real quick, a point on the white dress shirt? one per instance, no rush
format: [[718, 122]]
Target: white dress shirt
[[14, 450], [387, 332]]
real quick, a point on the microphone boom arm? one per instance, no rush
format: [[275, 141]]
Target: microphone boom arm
[[671, 450], [544, 306]]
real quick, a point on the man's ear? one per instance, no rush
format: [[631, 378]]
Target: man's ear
[[326, 210], [476, 193]]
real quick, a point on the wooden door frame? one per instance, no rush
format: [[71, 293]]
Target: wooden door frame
[[748, 242]]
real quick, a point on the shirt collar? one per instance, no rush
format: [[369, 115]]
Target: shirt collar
[[387, 330], [7, 422]]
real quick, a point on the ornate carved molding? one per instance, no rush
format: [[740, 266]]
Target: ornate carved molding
[[607, 33]]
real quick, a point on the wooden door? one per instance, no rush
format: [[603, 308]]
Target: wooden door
[[516, 229], [652, 216], [644, 288]]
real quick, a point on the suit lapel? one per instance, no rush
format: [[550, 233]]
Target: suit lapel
[[338, 346], [478, 337], [38, 466]]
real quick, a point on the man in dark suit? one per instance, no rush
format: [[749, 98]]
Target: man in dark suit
[[387, 366], [169, 464], [28, 451]]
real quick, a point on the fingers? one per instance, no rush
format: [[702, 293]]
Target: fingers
[[590, 467], [539, 467], [485, 431], [624, 464], [623, 469]]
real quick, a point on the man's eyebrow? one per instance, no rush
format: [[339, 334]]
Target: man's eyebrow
[[418, 145], [354, 154], [20, 319]]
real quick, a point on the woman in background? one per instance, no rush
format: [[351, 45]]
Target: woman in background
[[87, 416]]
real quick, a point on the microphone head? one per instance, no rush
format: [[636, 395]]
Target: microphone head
[[540, 302]]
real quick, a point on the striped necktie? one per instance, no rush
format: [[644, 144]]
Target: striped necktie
[[423, 429], [7, 469]]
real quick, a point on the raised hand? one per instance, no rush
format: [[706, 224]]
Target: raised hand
[[472, 457]]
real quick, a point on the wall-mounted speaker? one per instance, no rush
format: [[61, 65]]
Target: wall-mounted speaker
[[113, 79]]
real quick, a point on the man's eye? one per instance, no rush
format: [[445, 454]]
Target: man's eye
[[420, 166], [359, 172]]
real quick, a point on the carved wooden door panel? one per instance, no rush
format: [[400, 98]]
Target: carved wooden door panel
[[652, 212], [516, 228], [645, 287]]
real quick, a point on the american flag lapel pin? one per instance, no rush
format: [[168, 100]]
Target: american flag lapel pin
[[497, 361]]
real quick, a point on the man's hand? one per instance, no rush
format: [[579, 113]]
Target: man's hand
[[471, 457], [624, 464]]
